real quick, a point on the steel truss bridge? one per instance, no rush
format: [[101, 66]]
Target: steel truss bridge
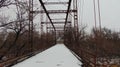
[[57, 21]]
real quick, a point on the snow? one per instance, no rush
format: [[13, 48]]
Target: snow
[[56, 56]]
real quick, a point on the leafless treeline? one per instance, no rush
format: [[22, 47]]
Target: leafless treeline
[[14, 38], [102, 43]]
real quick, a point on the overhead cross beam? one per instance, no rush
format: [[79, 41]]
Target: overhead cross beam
[[68, 9], [60, 22], [58, 19], [42, 4], [55, 27], [54, 11], [56, 30], [51, 3]]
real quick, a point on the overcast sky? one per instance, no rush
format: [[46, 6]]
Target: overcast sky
[[110, 15]]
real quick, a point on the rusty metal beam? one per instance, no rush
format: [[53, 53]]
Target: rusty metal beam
[[52, 3], [69, 5], [60, 22], [55, 27], [54, 11], [42, 4], [59, 19], [57, 30]]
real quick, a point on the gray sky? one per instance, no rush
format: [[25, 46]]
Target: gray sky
[[110, 15]]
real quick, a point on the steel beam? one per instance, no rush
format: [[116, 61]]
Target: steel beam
[[59, 19], [60, 22], [42, 4], [55, 27], [69, 5], [53, 3], [54, 11], [58, 30]]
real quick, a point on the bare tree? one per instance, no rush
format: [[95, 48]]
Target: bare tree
[[19, 26], [5, 3]]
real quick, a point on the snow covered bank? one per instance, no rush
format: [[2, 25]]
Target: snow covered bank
[[56, 56]]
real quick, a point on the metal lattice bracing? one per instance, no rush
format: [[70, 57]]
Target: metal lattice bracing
[[60, 14], [61, 22]]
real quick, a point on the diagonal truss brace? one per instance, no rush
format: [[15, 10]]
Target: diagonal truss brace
[[69, 5], [42, 4]]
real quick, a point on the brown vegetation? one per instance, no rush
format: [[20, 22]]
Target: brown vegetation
[[102, 43], [21, 46], [14, 34]]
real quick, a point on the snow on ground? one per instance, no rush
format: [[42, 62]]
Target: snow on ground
[[56, 56]]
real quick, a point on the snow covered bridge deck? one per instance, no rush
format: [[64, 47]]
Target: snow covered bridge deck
[[56, 56]]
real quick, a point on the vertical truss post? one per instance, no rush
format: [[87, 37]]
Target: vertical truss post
[[75, 14], [55, 36], [46, 29], [99, 13], [95, 14], [31, 25], [41, 19]]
